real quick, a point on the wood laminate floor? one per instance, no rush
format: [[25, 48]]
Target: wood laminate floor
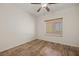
[[41, 48]]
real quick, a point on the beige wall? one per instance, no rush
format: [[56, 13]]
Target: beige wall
[[16, 27], [70, 26]]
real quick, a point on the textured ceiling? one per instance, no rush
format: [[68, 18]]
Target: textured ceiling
[[32, 8]]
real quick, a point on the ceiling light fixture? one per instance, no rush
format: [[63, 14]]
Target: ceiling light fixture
[[43, 5]]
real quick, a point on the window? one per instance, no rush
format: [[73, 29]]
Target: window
[[54, 26]]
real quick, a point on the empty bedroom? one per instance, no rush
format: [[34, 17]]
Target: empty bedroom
[[39, 29]]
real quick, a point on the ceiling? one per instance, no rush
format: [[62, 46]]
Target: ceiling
[[32, 8]]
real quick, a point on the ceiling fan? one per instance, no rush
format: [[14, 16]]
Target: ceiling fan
[[44, 5]]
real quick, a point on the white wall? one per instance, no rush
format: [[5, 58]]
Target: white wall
[[16, 27], [70, 26]]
